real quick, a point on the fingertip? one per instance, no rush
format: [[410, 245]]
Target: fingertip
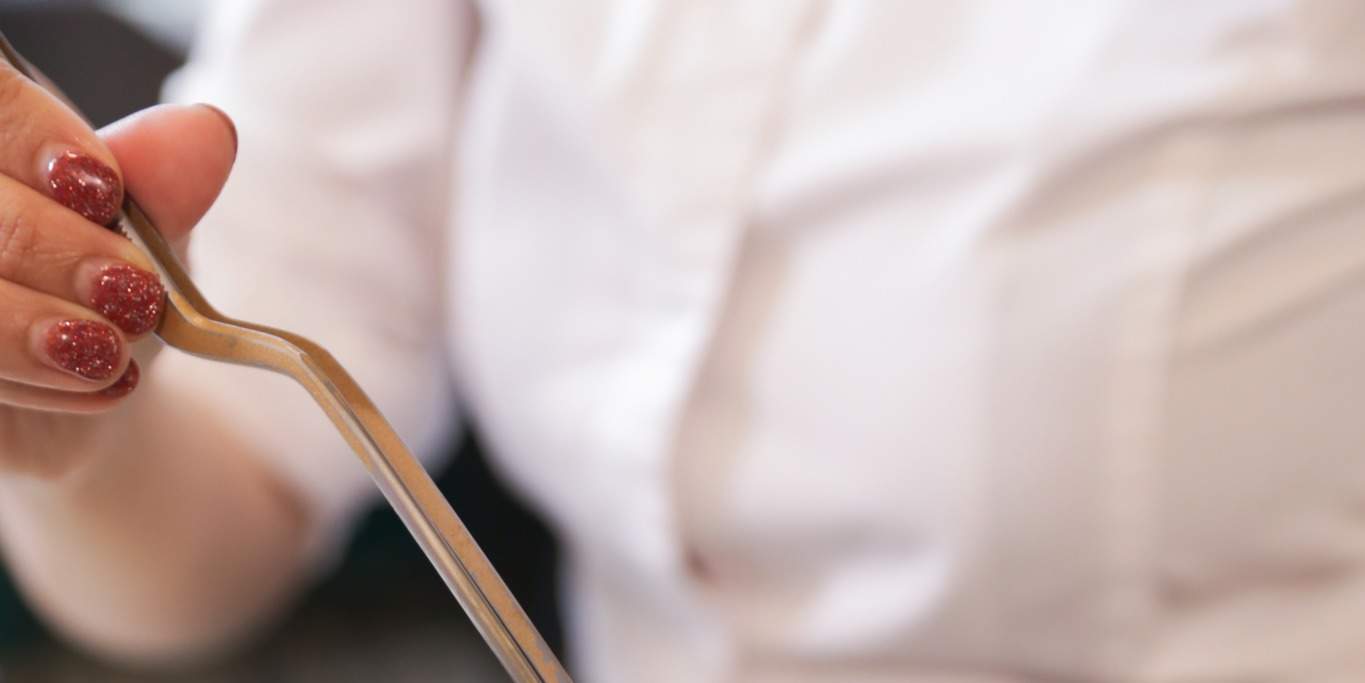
[[84, 184], [131, 297], [126, 382], [91, 350], [174, 159]]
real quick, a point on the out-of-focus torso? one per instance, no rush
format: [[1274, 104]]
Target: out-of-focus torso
[[857, 341], [972, 341]]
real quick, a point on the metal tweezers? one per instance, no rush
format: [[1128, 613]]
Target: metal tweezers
[[192, 325]]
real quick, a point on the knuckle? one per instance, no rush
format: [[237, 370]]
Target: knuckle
[[13, 85], [18, 239], [12, 100]]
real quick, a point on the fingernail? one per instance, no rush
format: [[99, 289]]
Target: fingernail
[[86, 186], [85, 348], [125, 384], [227, 121], [130, 297]]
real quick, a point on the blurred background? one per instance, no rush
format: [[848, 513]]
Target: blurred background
[[384, 615]]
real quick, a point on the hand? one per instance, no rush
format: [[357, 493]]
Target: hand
[[73, 293]]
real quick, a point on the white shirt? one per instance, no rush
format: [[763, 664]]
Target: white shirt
[[978, 341]]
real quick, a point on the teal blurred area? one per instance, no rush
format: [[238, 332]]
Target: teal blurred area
[[17, 625]]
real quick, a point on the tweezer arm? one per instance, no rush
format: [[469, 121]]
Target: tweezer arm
[[192, 325]]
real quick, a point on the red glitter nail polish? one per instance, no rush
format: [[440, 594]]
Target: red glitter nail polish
[[125, 384], [84, 347], [130, 297], [86, 186]]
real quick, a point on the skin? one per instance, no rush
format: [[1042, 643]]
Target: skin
[[139, 527]]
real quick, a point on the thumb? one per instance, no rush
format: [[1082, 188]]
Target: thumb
[[174, 160]]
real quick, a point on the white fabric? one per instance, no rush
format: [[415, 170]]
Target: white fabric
[[969, 342]]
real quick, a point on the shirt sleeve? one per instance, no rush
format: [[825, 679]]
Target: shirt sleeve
[[331, 224]]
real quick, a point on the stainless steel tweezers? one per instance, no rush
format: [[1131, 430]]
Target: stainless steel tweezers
[[192, 325]]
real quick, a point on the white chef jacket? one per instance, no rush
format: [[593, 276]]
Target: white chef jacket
[[979, 341]]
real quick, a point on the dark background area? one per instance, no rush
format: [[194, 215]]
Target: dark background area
[[385, 613]]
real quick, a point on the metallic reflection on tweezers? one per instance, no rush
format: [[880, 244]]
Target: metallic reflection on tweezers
[[193, 326]]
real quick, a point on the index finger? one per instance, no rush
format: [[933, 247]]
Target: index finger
[[48, 147]]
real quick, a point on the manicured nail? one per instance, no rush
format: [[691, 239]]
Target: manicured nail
[[86, 186], [85, 348], [125, 384], [130, 297]]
